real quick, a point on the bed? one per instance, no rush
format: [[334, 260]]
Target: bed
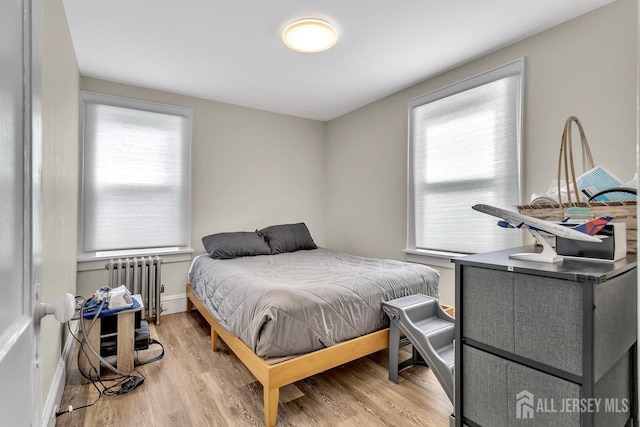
[[292, 315]]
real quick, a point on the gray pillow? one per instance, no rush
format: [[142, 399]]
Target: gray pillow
[[235, 245], [288, 238]]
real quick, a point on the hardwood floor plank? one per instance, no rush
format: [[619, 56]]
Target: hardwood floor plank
[[290, 392], [235, 403], [362, 420], [195, 386]]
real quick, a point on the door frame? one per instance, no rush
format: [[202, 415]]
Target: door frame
[[32, 114]]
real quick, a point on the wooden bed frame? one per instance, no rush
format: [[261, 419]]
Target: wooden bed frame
[[272, 377]]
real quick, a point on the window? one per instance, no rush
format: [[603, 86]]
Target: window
[[465, 148], [135, 177]]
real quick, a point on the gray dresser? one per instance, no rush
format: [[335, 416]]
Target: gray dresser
[[545, 344]]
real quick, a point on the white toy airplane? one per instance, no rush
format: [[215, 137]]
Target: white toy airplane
[[585, 232]]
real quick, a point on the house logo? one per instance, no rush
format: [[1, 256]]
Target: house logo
[[524, 405]]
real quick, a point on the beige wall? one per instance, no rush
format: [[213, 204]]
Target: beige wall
[[585, 67], [60, 81], [250, 169]]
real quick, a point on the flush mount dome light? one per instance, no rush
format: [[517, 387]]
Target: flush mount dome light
[[309, 36]]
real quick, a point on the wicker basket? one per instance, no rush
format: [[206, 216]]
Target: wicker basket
[[620, 211]]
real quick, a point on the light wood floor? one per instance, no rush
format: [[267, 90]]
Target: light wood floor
[[195, 386]]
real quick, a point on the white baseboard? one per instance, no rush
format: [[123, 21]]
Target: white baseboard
[[54, 397], [173, 304]]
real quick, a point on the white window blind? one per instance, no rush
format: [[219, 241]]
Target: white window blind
[[135, 175], [465, 149]]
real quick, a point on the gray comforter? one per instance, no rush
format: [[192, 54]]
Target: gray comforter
[[298, 302]]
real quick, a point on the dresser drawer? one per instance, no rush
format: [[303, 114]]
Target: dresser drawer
[[485, 395], [487, 301], [539, 318], [548, 321], [492, 386]]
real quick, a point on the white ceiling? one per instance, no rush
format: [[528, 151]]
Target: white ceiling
[[230, 50]]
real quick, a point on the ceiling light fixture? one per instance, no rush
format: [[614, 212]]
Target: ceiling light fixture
[[310, 35]]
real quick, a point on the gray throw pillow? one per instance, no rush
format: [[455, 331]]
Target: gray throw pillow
[[235, 245], [288, 238]]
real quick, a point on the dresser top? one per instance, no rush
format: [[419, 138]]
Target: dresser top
[[568, 269]]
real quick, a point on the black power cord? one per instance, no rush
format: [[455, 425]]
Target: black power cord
[[158, 357], [124, 386]]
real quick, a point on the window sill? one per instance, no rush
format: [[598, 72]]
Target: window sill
[[430, 257], [98, 262]]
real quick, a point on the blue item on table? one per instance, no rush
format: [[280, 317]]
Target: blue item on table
[[91, 312]]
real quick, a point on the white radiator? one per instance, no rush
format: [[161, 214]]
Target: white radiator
[[141, 275]]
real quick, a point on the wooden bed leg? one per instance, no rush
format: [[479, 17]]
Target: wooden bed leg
[[189, 305], [271, 397], [214, 339]]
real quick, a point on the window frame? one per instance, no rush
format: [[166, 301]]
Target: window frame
[[443, 258], [91, 260]]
